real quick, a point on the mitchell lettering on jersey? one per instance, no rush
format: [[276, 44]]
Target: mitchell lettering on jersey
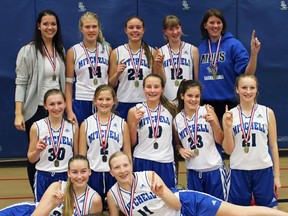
[[146, 120], [184, 61], [255, 126], [64, 140], [136, 62], [84, 61], [205, 58], [141, 198], [200, 128], [112, 135]]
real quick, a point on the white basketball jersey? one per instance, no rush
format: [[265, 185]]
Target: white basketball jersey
[[145, 148], [184, 72], [85, 84], [65, 150], [127, 92], [208, 155], [84, 203], [145, 201], [258, 156], [114, 143]]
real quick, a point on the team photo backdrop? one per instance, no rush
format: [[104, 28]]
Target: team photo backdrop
[[268, 18]]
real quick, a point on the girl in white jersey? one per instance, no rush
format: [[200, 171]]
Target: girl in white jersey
[[150, 125], [198, 129], [138, 193], [90, 62], [144, 193], [53, 140], [129, 65], [73, 197], [102, 134], [181, 59], [250, 138]]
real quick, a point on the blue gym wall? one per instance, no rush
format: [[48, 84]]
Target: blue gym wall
[[268, 18]]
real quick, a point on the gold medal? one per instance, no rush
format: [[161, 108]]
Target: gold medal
[[176, 82], [56, 163], [196, 152], [214, 74], [104, 158], [95, 81], [155, 145], [54, 77], [246, 149], [136, 83]]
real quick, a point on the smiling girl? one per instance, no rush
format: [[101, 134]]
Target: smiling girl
[[88, 61], [73, 197], [198, 129], [129, 65], [181, 59], [250, 138], [150, 125], [53, 140], [102, 134]]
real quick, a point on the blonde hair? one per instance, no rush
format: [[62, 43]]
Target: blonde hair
[[68, 206], [90, 15], [117, 154]]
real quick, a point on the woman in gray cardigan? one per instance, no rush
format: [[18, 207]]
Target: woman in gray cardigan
[[39, 67]]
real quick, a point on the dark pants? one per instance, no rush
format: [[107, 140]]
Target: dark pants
[[40, 113]]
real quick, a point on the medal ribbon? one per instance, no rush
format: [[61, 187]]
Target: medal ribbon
[[53, 59], [77, 207], [194, 138], [103, 139], [136, 70], [176, 70], [133, 188], [154, 129], [246, 135], [57, 147], [213, 63], [94, 69]]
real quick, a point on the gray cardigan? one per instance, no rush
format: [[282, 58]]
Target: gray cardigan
[[30, 78]]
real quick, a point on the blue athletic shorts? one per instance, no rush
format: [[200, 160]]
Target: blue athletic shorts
[[165, 170], [123, 108], [83, 109], [197, 203], [245, 182], [211, 182], [101, 182], [44, 179], [19, 209]]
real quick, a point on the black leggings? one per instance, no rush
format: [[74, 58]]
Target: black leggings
[[40, 113]]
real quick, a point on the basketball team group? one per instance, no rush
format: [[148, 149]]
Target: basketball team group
[[106, 127]]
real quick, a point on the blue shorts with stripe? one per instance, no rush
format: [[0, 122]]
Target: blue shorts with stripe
[[101, 182], [211, 182], [166, 171], [244, 183], [19, 209], [83, 109], [123, 108], [197, 203], [44, 179]]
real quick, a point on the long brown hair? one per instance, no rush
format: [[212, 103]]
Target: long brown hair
[[145, 46], [163, 100], [184, 86]]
